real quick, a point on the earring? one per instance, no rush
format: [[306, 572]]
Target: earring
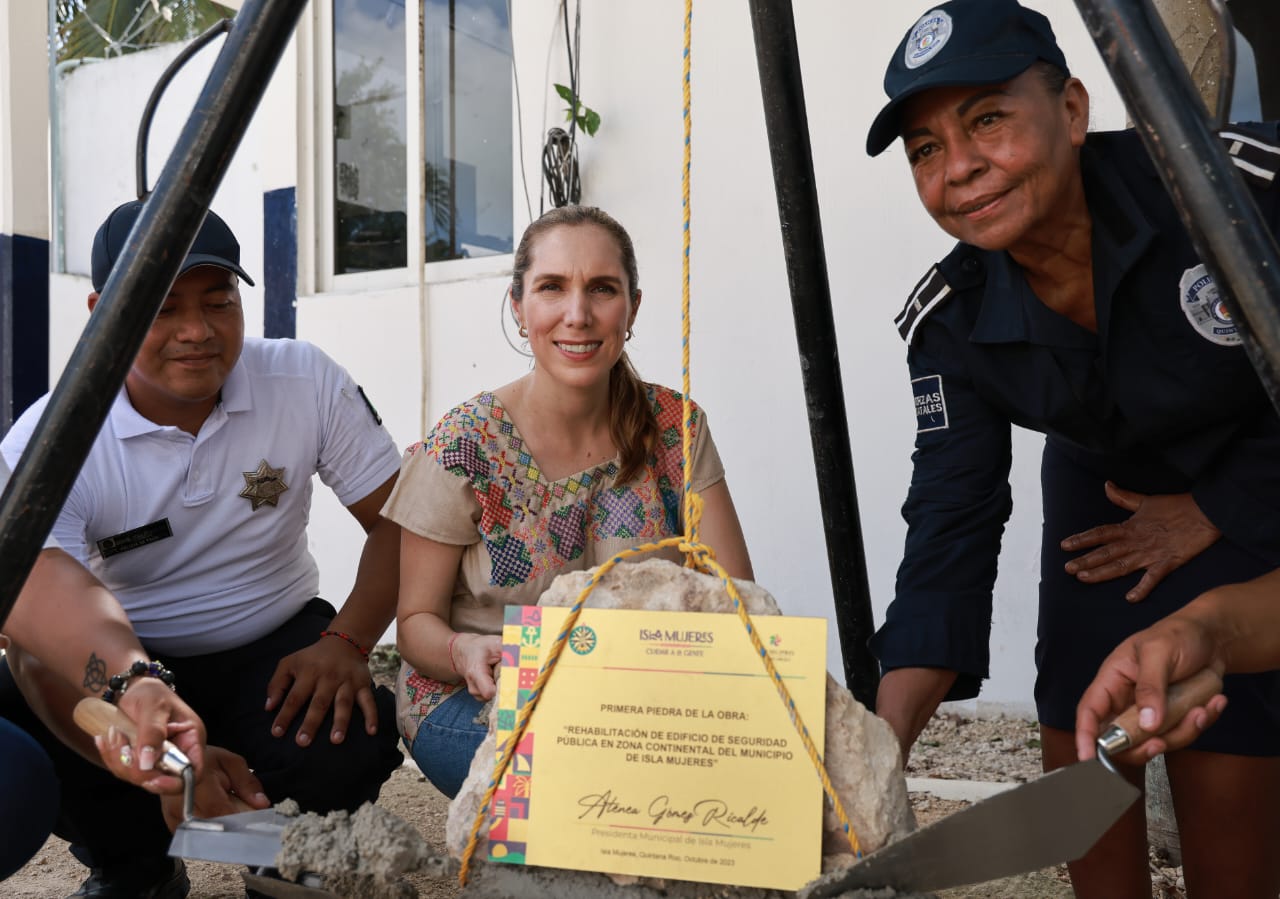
[[524, 332], [630, 333]]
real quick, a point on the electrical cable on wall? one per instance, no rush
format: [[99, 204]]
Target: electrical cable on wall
[[560, 168], [560, 151], [515, 80]]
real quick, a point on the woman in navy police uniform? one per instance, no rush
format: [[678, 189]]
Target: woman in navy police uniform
[[1075, 305]]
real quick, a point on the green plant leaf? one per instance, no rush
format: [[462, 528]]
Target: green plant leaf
[[565, 94], [592, 122]]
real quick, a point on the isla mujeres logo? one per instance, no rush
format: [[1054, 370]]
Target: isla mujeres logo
[[582, 639], [775, 641]]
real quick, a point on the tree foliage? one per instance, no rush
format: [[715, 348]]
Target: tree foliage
[[96, 29]]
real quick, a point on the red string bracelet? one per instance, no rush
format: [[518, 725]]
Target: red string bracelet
[[350, 639], [456, 635]]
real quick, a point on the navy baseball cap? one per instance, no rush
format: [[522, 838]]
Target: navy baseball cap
[[964, 42], [214, 244]]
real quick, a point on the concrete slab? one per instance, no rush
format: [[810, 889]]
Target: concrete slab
[[963, 790]]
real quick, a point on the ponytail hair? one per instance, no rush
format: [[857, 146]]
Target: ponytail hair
[[632, 423]]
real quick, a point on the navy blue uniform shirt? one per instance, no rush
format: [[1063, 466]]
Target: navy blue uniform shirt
[[1163, 391]]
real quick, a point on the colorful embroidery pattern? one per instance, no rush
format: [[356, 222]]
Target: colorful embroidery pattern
[[425, 694], [531, 527]]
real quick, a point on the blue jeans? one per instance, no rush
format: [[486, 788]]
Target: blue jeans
[[28, 797], [447, 741]]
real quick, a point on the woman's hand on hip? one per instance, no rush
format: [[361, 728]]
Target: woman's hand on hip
[[1165, 532]]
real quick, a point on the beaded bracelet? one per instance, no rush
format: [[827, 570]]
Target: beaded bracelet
[[118, 684], [350, 639]]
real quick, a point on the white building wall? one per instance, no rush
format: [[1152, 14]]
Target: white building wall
[[745, 363], [24, 110]]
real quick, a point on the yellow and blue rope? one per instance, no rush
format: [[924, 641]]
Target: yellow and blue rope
[[697, 555]]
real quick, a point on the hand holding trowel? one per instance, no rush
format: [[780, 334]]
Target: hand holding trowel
[[249, 837], [1053, 819]]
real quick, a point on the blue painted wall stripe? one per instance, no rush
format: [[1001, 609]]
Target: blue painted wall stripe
[[280, 262], [24, 294]]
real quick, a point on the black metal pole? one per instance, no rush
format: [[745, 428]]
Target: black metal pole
[[1225, 225], [132, 295], [787, 122]]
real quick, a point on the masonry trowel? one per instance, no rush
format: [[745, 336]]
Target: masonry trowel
[[1054, 819], [250, 837]]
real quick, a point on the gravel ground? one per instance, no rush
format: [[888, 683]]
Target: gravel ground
[[951, 748], [999, 750]]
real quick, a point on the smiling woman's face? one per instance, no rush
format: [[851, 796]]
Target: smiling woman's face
[[577, 304], [994, 164]]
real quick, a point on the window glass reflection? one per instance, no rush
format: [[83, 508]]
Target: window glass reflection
[[369, 124], [467, 85]]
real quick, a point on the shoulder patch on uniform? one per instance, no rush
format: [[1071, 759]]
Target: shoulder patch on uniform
[[931, 404], [927, 296], [1258, 160]]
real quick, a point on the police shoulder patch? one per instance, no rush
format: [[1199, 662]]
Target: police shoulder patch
[[1257, 159], [926, 297], [931, 404]]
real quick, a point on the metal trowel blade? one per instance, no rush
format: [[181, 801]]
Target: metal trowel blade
[[283, 889], [1053, 819], [247, 838]]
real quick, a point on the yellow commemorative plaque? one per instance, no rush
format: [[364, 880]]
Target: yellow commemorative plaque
[[660, 747]]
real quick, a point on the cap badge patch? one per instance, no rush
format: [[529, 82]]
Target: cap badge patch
[[1204, 308], [927, 37], [931, 404], [264, 486]]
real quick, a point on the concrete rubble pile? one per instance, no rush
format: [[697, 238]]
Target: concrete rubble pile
[[362, 856]]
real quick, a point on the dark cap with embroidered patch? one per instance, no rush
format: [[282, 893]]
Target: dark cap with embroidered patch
[[214, 244], [964, 42]]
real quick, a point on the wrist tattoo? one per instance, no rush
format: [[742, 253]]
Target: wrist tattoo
[[95, 674]]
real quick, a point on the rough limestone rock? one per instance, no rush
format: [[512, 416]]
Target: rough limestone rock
[[861, 752], [363, 855]]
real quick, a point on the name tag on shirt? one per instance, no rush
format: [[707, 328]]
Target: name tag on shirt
[[140, 536], [931, 404]]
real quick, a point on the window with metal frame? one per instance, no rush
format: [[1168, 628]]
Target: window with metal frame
[[465, 179]]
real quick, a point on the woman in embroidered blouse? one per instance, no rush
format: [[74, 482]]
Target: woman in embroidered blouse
[[554, 472]]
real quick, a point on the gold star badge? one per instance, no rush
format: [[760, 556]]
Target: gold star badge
[[264, 486]]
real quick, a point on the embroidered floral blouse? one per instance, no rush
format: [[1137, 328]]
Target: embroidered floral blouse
[[473, 483]]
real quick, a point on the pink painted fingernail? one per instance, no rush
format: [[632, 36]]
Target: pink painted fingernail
[[1146, 718]]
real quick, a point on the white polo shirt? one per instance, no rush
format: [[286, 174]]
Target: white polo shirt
[[49, 542], [204, 539]]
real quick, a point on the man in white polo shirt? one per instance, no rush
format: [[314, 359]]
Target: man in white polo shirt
[[69, 632], [192, 508]]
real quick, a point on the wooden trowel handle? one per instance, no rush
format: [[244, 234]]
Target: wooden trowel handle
[[1183, 696], [95, 716]]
